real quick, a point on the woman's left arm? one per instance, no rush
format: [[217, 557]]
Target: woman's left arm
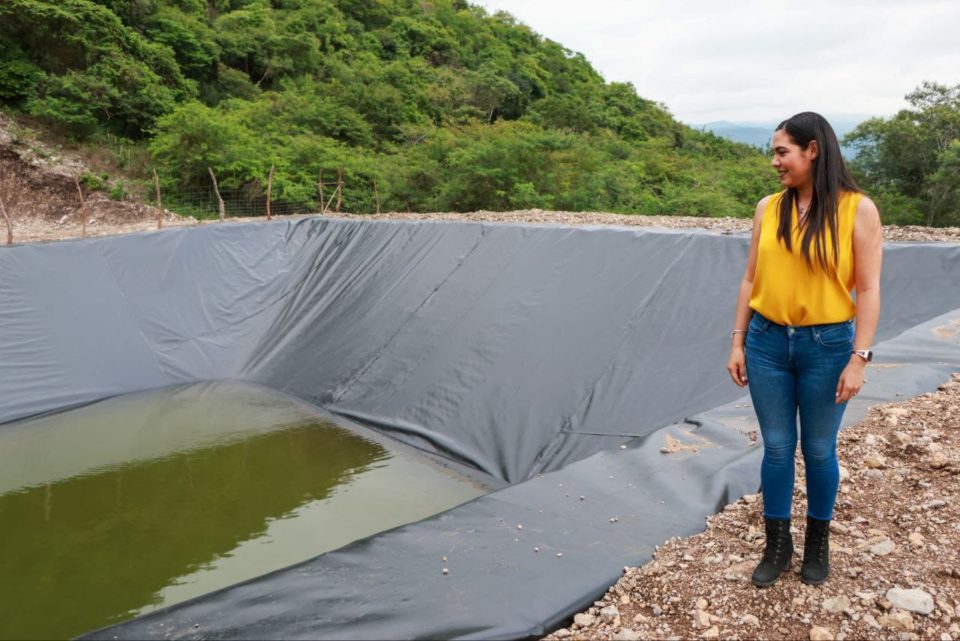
[[867, 257]]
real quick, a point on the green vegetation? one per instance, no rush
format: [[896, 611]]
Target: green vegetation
[[444, 107], [910, 163]]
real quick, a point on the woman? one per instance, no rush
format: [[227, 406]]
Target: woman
[[794, 335]]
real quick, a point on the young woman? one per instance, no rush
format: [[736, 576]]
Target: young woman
[[794, 336]]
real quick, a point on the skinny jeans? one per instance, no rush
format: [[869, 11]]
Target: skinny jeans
[[795, 370]]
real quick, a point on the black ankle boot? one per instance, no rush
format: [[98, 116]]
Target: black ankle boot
[[816, 552], [777, 553]]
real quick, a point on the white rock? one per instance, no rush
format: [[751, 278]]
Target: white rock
[[898, 620], [835, 605], [702, 619], [712, 633], [818, 633], [609, 614], [874, 460], [870, 620], [914, 600], [626, 634], [916, 539], [749, 619], [702, 604], [844, 474], [883, 547], [562, 633], [584, 620]]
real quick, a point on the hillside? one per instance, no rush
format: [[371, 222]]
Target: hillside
[[424, 106]]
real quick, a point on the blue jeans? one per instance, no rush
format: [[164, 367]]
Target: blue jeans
[[791, 370]]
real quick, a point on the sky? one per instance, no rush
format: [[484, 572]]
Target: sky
[[755, 60]]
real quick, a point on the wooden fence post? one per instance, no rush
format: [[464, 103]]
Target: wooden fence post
[[376, 195], [339, 188], [323, 205], [156, 187], [7, 219], [216, 190], [83, 207], [269, 189]]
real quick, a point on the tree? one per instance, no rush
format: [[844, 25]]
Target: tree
[[909, 160]]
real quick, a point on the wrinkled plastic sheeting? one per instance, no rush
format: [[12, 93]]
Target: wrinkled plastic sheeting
[[517, 350], [580, 526], [513, 349]]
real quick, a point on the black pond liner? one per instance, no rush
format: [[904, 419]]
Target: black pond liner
[[555, 359]]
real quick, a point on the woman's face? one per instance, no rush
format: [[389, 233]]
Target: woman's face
[[795, 165]]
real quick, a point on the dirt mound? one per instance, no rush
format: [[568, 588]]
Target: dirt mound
[[38, 185]]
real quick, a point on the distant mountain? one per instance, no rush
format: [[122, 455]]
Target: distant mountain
[[758, 134]]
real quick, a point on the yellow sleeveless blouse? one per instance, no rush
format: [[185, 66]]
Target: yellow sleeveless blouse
[[785, 290]]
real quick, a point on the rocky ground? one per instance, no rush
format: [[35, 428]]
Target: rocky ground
[[895, 550]]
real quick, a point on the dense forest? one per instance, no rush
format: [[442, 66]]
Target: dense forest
[[446, 108], [423, 105]]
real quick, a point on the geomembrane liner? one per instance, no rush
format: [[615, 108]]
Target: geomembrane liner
[[530, 353]]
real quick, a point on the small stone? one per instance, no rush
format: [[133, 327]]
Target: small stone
[[898, 620], [839, 528], [626, 634], [883, 547], [562, 633], [536, 548], [916, 539], [818, 633], [657, 610], [938, 460], [445, 571], [873, 474], [836, 605], [702, 604], [749, 619], [519, 527], [712, 633], [701, 619], [640, 618], [844, 474], [584, 620], [559, 554], [609, 614], [870, 620], [750, 499], [914, 600], [874, 460], [625, 599]]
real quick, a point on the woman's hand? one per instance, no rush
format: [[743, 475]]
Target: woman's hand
[[851, 379], [737, 365]]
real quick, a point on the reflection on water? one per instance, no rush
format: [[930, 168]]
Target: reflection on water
[[171, 494]]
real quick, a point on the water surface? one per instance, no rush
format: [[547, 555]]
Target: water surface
[[141, 501]]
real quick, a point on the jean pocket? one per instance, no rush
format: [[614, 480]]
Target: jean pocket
[[837, 336], [758, 324]]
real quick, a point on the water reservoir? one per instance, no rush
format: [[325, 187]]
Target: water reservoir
[[153, 498]]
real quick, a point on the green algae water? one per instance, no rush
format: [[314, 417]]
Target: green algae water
[[141, 501]]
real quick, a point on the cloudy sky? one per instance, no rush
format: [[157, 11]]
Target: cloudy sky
[[755, 60]]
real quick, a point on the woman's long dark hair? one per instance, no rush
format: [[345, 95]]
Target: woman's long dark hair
[[830, 176]]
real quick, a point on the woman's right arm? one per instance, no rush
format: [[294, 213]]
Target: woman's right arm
[[737, 363]]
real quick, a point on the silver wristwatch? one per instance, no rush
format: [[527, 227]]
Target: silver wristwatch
[[865, 354]]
